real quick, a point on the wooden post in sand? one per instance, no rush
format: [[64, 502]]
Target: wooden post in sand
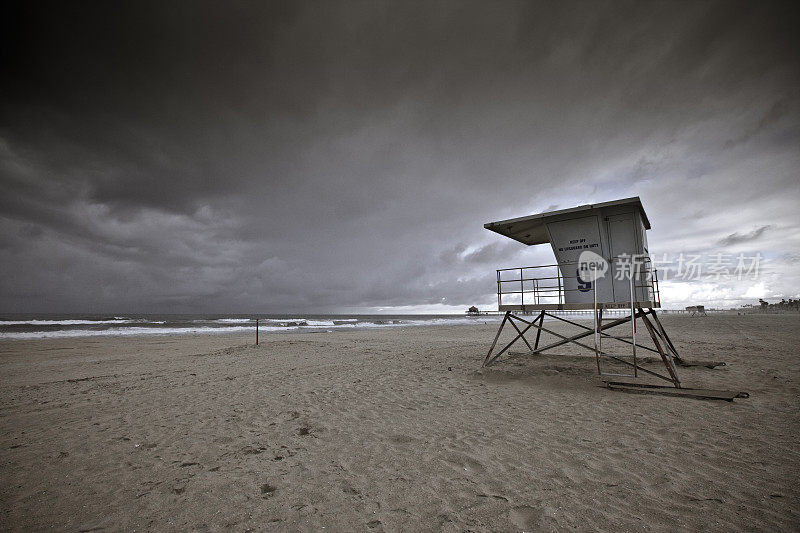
[[256, 332]]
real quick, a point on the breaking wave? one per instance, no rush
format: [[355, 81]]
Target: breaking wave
[[120, 326]]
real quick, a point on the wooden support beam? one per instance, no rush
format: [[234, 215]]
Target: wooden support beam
[[603, 334], [539, 331], [663, 345], [566, 340], [675, 353], [511, 321], [664, 357], [489, 361], [502, 323], [705, 394]]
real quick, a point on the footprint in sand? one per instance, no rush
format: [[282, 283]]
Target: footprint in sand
[[402, 439], [267, 490], [526, 518]]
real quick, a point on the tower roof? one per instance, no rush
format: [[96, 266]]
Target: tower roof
[[531, 229]]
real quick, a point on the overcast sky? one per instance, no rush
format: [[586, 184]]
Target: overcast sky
[[344, 156]]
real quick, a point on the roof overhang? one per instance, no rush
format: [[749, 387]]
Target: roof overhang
[[532, 228]]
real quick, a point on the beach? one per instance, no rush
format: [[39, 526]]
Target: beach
[[395, 429]]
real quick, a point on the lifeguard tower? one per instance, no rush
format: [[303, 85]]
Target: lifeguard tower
[[602, 266]]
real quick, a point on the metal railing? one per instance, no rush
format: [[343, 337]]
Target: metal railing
[[547, 284]]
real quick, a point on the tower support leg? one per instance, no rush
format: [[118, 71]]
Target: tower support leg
[[520, 335], [663, 345], [494, 343], [540, 319], [666, 357]]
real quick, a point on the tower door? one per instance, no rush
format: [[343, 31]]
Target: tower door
[[622, 247]]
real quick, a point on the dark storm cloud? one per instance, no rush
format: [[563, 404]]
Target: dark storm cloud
[[319, 156], [738, 238]]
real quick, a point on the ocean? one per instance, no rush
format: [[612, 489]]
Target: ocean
[[20, 326]]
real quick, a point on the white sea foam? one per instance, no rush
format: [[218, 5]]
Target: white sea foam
[[237, 325], [129, 332], [72, 322], [388, 323], [319, 323]]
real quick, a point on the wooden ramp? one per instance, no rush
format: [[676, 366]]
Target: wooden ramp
[[707, 364], [645, 388]]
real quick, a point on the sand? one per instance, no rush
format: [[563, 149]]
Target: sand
[[397, 430]]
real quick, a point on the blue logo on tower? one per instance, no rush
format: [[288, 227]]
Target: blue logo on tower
[[583, 286], [591, 267]]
